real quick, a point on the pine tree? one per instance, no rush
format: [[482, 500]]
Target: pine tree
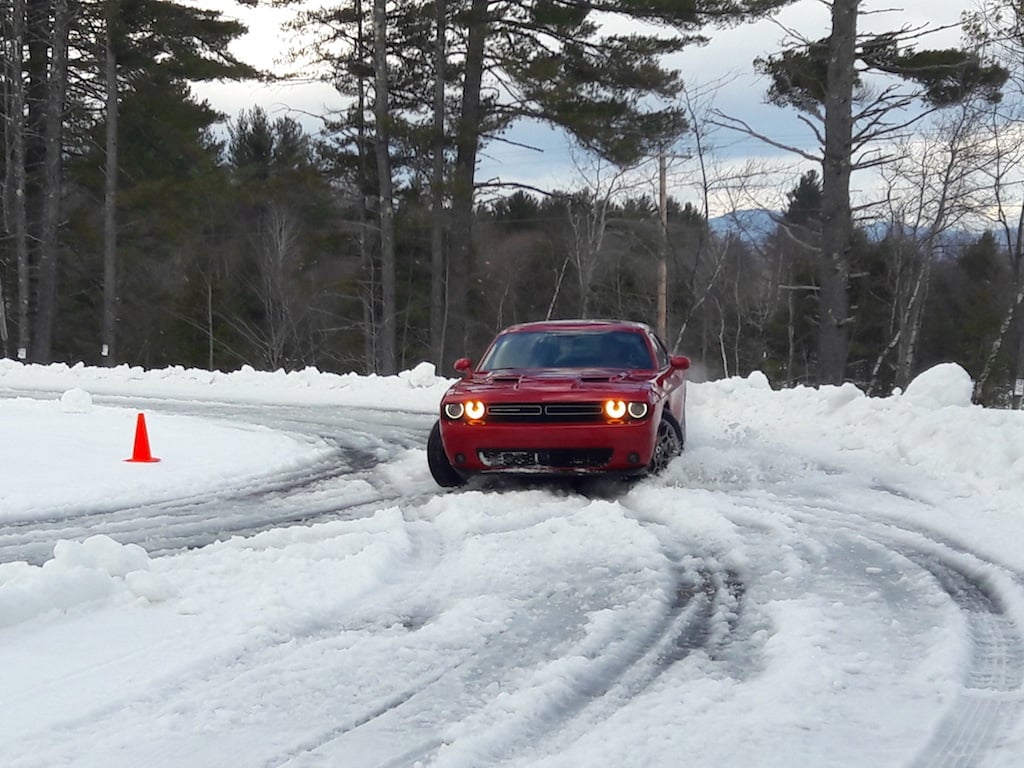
[[547, 60], [147, 42], [822, 80]]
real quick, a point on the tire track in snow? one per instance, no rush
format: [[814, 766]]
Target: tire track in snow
[[320, 490], [194, 521], [251, 663], [991, 701], [691, 621]]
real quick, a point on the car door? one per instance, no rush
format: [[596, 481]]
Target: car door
[[670, 379]]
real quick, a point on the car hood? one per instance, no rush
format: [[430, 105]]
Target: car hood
[[520, 385]]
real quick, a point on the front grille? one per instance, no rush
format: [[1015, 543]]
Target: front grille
[[552, 458], [520, 413], [514, 410]]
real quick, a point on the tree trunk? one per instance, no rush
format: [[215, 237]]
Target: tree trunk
[[209, 324], [15, 204], [588, 218], [662, 290], [37, 42], [110, 297], [46, 308], [3, 322], [993, 353], [914, 318], [385, 208], [836, 226], [438, 315], [467, 144], [365, 259]]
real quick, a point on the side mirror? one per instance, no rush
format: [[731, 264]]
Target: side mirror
[[680, 362], [463, 365]]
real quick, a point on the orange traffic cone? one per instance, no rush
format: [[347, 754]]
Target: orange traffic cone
[[141, 451]]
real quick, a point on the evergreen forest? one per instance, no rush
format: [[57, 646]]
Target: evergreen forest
[[140, 226]]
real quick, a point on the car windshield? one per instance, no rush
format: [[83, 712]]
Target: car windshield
[[568, 349]]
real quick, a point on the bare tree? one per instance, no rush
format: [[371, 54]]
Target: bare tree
[[997, 26], [1006, 130], [933, 184], [588, 212], [714, 183], [278, 334]]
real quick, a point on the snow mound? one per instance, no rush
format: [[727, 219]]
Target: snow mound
[[422, 376], [102, 553], [76, 400], [81, 572], [945, 385], [758, 380]]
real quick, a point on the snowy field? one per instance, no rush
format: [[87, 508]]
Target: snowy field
[[822, 579]]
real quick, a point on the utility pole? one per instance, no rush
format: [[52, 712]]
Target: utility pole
[[3, 323], [663, 249]]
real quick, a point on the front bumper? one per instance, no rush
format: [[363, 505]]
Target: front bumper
[[549, 448]]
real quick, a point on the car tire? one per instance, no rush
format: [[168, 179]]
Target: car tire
[[441, 469], [668, 443]]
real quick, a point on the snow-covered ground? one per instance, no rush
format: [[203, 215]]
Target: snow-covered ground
[[821, 579]]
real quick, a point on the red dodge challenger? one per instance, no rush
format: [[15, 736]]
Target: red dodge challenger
[[563, 397]]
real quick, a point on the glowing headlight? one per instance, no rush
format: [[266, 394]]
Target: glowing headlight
[[637, 410], [615, 409], [453, 410], [475, 409]]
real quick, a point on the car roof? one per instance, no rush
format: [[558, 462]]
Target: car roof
[[578, 325]]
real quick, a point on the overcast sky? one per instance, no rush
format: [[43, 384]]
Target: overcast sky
[[719, 74]]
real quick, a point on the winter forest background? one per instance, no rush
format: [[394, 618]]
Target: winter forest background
[[141, 226]]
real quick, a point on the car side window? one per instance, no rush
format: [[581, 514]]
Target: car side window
[[660, 353]]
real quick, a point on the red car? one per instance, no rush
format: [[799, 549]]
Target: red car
[[563, 397]]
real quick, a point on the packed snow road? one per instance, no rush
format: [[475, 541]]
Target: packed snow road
[[337, 482], [764, 602]]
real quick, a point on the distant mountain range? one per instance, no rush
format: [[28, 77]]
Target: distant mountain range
[[755, 224]]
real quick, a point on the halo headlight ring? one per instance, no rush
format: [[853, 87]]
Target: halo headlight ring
[[615, 409], [637, 410], [454, 411]]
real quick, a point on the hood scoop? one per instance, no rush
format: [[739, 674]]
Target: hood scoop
[[554, 379], [505, 379]]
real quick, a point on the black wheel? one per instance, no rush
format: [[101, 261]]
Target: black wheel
[[668, 443], [441, 470]]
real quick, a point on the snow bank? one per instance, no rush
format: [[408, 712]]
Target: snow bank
[[932, 426], [412, 390], [80, 572]]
